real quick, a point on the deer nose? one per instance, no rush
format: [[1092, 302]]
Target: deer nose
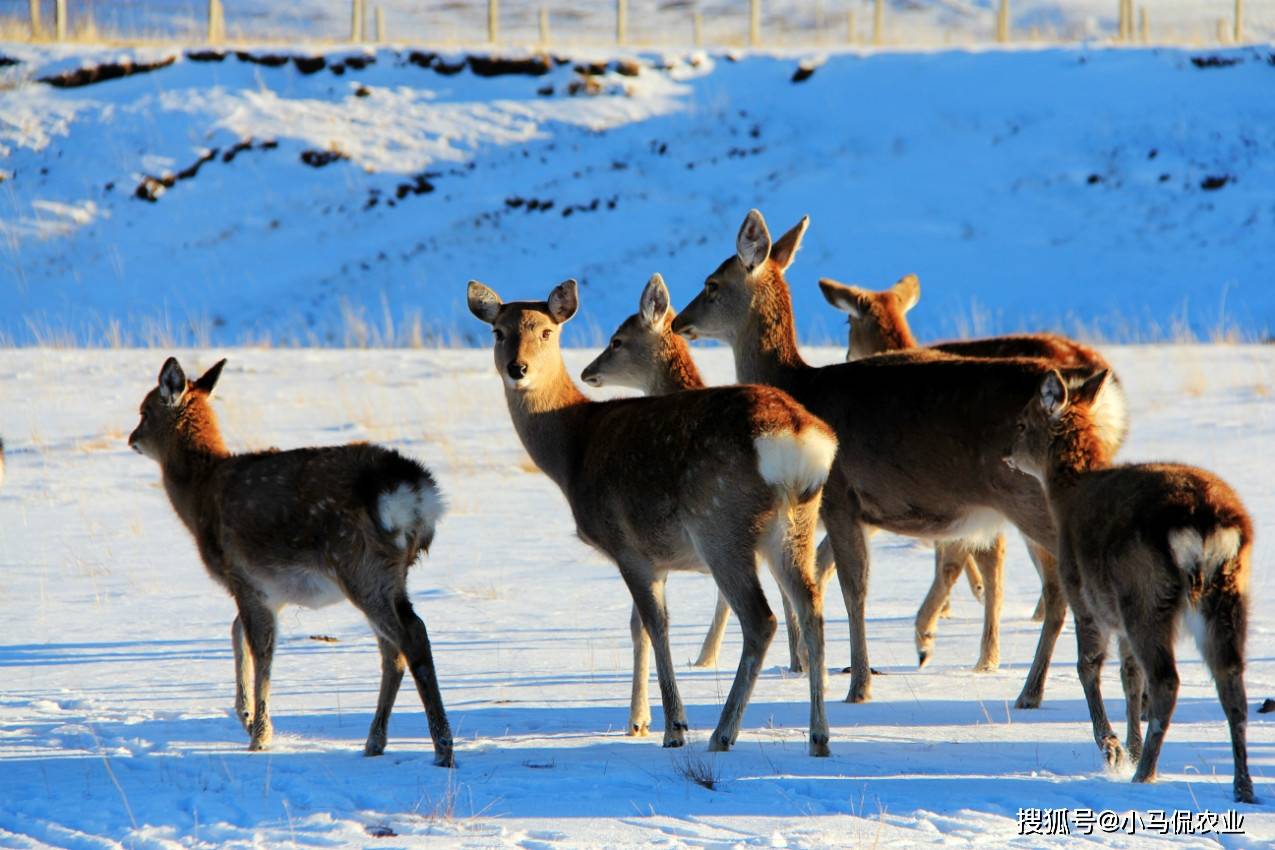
[[516, 369]]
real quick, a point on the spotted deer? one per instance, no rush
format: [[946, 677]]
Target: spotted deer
[[1142, 550], [878, 322], [307, 527], [670, 482], [920, 434], [644, 354]]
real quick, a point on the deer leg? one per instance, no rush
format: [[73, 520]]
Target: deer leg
[[639, 699], [1223, 651], [1091, 651], [1055, 613], [991, 564], [850, 548], [949, 563], [716, 633], [403, 633], [734, 567], [1154, 651], [259, 631], [1131, 680], [392, 666], [792, 560], [974, 573], [792, 626], [1036, 553], [647, 587], [244, 696]]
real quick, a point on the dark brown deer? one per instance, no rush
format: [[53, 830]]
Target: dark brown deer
[[1142, 549], [306, 527], [644, 354], [878, 323], [670, 482], [920, 434]]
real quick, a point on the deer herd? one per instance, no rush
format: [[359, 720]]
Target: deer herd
[[945, 443]]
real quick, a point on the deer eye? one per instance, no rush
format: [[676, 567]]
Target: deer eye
[[498, 334], [710, 288], [546, 333], [616, 343]]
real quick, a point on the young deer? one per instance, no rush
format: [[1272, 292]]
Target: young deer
[[920, 434], [877, 323], [644, 354], [671, 482], [305, 526], [1142, 547]]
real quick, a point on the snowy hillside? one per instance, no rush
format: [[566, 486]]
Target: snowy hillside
[[1116, 193], [116, 724]]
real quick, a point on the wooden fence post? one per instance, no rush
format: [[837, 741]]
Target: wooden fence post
[[216, 22], [1002, 21], [1144, 28], [380, 24], [852, 34], [356, 20], [754, 23], [544, 27], [1221, 30], [697, 28], [33, 6], [59, 19], [493, 21], [1238, 35], [878, 22], [621, 21]]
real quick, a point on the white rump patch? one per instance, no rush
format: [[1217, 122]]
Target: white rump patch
[[1110, 413], [410, 513], [795, 462], [1192, 552], [977, 529]]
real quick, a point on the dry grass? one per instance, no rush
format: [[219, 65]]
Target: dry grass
[[702, 771]]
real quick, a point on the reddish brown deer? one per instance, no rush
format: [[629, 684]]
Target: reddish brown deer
[[307, 527], [877, 323], [644, 354], [1142, 548], [670, 482], [920, 433]]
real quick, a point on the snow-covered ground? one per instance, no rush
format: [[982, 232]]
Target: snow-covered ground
[[116, 728], [1124, 194]]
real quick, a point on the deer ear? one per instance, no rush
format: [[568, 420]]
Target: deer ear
[[563, 301], [483, 303], [786, 246], [172, 381], [908, 289], [848, 299], [1053, 394], [1088, 392], [653, 306], [752, 245], [208, 380]]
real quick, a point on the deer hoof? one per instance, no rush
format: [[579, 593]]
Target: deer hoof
[[819, 746]]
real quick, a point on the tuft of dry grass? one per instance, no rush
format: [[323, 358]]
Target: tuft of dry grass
[[695, 768]]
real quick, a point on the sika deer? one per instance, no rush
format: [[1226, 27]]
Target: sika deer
[[920, 433], [1142, 548], [644, 354], [670, 482], [878, 322], [305, 526]]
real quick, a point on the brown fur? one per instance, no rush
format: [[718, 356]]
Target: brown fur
[[878, 323], [920, 432], [666, 483], [300, 526], [1123, 574]]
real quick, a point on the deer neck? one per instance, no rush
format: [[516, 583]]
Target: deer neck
[[549, 420], [766, 349], [1075, 451], [190, 461], [676, 371]]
